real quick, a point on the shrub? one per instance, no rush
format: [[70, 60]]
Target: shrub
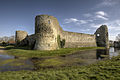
[[61, 43], [58, 41]]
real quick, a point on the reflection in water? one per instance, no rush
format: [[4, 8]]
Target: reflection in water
[[9, 63], [4, 56], [114, 52], [101, 52], [110, 52]]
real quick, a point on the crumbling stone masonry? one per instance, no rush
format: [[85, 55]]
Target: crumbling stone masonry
[[19, 36], [50, 36], [102, 36]]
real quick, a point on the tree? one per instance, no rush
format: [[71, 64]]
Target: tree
[[10, 40], [118, 37]]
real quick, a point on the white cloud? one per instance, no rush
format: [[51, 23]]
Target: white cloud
[[76, 21], [101, 15], [93, 25], [85, 30], [108, 3], [82, 21], [71, 20], [87, 15], [111, 37], [90, 20], [112, 25]]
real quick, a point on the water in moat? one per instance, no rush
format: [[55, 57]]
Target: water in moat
[[92, 56], [10, 63]]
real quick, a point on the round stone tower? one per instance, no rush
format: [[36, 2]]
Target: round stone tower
[[20, 35], [46, 29]]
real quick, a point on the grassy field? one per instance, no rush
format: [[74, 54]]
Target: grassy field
[[103, 70], [24, 52]]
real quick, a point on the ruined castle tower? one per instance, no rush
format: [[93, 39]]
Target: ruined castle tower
[[102, 36], [50, 36], [46, 29], [20, 35]]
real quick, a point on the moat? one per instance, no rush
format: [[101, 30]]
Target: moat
[[11, 63]]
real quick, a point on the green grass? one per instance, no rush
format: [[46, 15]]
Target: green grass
[[24, 52], [57, 62], [103, 70], [51, 62]]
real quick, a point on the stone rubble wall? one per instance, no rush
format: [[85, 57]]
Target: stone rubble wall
[[47, 30], [102, 36], [75, 40], [19, 36]]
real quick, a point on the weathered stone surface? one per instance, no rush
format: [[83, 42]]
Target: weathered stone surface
[[75, 40], [29, 41], [20, 35], [102, 36], [46, 29], [50, 36]]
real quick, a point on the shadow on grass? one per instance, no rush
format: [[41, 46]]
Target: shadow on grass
[[16, 47]]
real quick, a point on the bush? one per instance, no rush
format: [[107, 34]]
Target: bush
[[58, 41], [61, 43]]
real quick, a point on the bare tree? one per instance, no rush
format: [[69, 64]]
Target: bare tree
[[11, 39], [118, 37], [6, 39]]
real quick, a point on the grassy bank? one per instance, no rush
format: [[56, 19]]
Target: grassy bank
[[103, 70], [24, 52]]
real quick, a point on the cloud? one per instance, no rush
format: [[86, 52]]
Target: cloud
[[101, 15], [93, 25], [108, 3], [87, 15], [71, 20], [112, 37], [76, 21], [112, 25], [83, 21], [85, 30]]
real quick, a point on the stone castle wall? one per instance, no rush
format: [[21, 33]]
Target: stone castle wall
[[102, 36], [47, 30], [20, 35], [74, 40]]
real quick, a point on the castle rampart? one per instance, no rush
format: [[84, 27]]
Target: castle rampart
[[75, 40], [50, 36]]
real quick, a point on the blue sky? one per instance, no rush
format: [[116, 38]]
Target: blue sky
[[83, 16]]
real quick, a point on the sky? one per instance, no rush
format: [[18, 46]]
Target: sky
[[83, 16]]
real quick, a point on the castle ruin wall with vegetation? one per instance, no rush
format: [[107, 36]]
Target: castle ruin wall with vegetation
[[50, 36]]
